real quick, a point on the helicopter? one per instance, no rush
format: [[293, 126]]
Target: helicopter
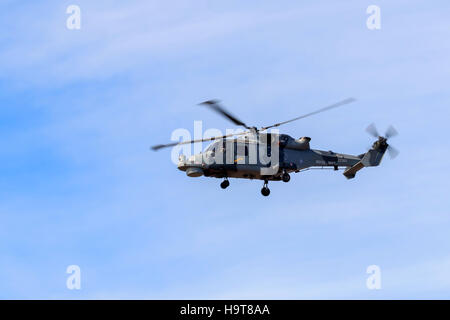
[[258, 153]]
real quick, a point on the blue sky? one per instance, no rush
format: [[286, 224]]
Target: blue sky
[[79, 110]]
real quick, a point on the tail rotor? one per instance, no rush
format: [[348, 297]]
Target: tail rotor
[[382, 140]]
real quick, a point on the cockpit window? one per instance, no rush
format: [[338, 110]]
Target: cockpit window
[[213, 146]]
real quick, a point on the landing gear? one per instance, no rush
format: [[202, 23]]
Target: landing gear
[[286, 177], [265, 191], [225, 183]]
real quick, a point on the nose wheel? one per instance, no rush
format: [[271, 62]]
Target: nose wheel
[[286, 177], [265, 191], [225, 183]]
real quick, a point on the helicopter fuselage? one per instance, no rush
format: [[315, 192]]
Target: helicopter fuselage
[[235, 159], [260, 154]]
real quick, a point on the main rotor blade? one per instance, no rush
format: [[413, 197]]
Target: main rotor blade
[[393, 153], [372, 130], [391, 132], [214, 104], [335, 105], [160, 146]]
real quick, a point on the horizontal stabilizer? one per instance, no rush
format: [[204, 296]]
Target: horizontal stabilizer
[[351, 172]]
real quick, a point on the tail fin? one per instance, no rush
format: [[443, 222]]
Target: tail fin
[[371, 158]]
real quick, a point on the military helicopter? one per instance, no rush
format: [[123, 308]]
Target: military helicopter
[[263, 155]]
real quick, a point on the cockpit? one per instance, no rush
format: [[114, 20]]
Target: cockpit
[[213, 146]]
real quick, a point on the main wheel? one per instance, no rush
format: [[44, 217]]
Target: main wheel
[[225, 184], [286, 177], [265, 191]]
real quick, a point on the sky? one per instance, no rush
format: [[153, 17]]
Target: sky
[[79, 110]]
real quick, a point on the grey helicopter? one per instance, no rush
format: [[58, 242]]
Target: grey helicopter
[[259, 153]]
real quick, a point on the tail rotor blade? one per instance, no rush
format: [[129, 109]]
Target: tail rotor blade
[[393, 153], [391, 132], [372, 130]]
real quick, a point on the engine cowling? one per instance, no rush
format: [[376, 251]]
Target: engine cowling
[[299, 144]]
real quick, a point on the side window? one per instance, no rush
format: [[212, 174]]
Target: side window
[[241, 150]]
